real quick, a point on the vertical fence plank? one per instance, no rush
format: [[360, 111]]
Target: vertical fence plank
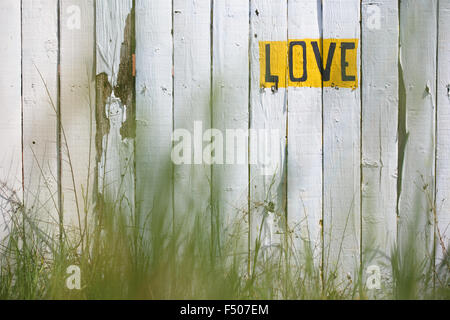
[[268, 118], [379, 131], [230, 105], [443, 133], [305, 140], [154, 103], [77, 109], [192, 90], [114, 104], [418, 36], [40, 151], [341, 138], [10, 108]]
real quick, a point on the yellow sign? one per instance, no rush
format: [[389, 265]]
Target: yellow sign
[[300, 63]]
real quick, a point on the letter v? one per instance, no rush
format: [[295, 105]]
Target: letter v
[[327, 71]]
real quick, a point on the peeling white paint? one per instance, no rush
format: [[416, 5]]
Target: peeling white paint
[[116, 166]]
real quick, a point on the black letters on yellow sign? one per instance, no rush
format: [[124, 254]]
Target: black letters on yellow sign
[[299, 63]]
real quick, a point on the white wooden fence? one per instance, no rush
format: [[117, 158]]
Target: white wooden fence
[[357, 163]]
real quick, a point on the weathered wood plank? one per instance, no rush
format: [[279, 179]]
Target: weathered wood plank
[[268, 118], [230, 107], [341, 143], [379, 90], [10, 109], [418, 38], [77, 110], [192, 91], [154, 104], [443, 133], [40, 73], [115, 105], [304, 196]]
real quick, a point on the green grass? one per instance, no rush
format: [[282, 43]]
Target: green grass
[[159, 260]]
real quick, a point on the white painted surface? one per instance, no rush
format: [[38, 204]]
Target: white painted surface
[[10, 109], [40, 150], [154, 103], [379, 88], [192, 91], [305, 141], [230, 108], [268, 113], [77, 109], [418, 36], [341, 143], [443, 131]]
